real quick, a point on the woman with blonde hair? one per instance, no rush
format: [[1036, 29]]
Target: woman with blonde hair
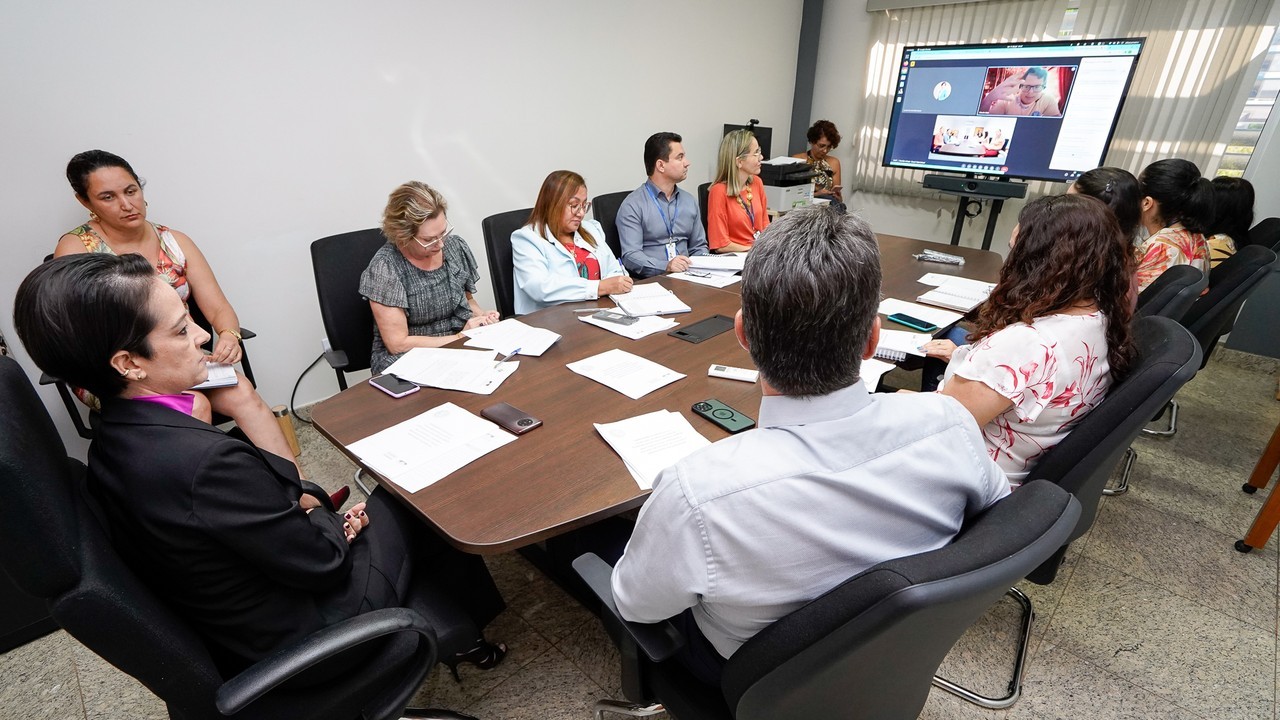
[[736, 204], [560, 255], [421, 285]]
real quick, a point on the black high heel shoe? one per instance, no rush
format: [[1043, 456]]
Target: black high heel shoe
[[485, 655]]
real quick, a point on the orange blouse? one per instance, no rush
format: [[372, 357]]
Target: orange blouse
[[727, 218]]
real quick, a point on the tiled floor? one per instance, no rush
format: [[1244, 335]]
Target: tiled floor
[[1155, 615]]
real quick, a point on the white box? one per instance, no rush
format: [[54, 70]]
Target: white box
[[782, 199]]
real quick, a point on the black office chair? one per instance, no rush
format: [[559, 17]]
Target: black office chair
[[338, 261], [868, 648], [497, 231], [704, 192], [1173, 293], [605, 209], [1213, 314], [85, 419], [1266, 234], [53, 547]]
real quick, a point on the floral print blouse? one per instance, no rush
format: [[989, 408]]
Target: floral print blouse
[[1174, 245]]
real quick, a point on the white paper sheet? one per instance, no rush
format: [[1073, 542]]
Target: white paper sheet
[[649, 299], [642, 327], [941, 318], [629, 374], [509, 335], [938, 279], [426, 448], [472, 371], [652, 442], [220, 375], [871, 371], [718, 262], [902, 341], [704, 277]]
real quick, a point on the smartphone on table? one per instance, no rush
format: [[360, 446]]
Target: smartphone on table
[[913, 322], [393, 386]]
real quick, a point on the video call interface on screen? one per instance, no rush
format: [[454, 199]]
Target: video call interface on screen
[[1043, 111]]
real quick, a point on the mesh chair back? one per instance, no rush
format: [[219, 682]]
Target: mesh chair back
[[704, 192], [497, 246], [338, 261], [605, 208], [1168, 356], [871, 646], [1173, 293], [1214, 313], [1266, 234]]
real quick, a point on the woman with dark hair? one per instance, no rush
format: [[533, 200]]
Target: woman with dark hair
[[1232, 217], [106, 185], [228, 535], [1119, 190], [823, 137], [560, 255], [1053, 335], [1177, 207]]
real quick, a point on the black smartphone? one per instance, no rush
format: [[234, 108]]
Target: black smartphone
[[723, 415], [913, 322], [393, 386], [510, 418], [703, 329]]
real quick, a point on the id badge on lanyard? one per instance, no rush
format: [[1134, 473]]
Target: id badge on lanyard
[[671, 249]]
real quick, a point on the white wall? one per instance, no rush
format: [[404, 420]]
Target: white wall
[[262, 126]]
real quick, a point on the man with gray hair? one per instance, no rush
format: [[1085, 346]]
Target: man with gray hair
[[834, 479]]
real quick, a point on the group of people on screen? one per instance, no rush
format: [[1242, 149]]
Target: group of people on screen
[[715, 545]]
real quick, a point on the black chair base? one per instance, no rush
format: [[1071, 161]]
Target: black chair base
[[619, 707], [1015, 684]]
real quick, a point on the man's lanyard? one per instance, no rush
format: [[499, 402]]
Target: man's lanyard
[[675, 210]]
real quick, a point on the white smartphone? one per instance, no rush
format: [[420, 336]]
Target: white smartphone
[[393, 386]]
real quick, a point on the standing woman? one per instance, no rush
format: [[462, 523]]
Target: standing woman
[[420, 285], [736, 210], [560, 256], [823, 138], [106, 185], [1177, 207]]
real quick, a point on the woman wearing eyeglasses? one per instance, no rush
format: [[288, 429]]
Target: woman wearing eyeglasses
[[736, 204], [560, 255], [421, 284]]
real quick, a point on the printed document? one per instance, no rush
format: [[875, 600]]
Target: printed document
[[718, 262], [707, 277], [642, 327], [629, 374], [511, 335], [426, 448], [472, 371], [652, 442]]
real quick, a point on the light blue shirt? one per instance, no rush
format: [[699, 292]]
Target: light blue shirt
[[757, 525], [546, 273], [642, 230]]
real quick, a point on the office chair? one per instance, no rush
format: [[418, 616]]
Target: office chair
[[1172, 294], [1213, 314], [497, 231], [1266, 234], [338, 261], [704, 192], [868, 648], [605, 209], [54, 547]]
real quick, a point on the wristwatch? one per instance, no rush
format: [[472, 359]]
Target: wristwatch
[[234, 333]]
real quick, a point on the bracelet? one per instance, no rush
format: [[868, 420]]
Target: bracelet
[[234, 333]]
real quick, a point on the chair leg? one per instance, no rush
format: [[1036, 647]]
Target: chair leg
[[1015, 684], [618, 707], [1173, 422], [1122, 487], [360, 483], [434, 714]]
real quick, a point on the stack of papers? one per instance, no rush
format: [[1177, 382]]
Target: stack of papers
[[650, 443], [713, 278], [511, 335], [220, 375], [472, 371], [731, 261], [941, 318], [426, 448], [642, 327], [629, 374], [956, 293], [649, 299]]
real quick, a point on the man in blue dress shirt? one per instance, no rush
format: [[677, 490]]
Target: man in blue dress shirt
[[834, 480], [659, 225]]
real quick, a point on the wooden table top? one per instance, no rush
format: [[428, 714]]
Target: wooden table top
[[563, 475]]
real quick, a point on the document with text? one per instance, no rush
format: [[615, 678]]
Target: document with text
[[511, 335], [629, 374], [642, 327], [650, 443], [473, 371]]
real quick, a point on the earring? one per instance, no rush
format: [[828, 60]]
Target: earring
[[124, 373], [93, 216]]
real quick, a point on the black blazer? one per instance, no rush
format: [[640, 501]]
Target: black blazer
[[212, 524]]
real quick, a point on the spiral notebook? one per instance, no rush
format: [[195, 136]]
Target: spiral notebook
[[958, 294], [896, 345]]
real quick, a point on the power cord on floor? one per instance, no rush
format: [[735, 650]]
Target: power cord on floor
[[293, 395]]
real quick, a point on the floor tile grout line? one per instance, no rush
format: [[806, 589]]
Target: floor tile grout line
[[1171, 700]]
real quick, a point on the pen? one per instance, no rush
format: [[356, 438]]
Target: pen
[[507, 357], [695, 273], [588, 310]]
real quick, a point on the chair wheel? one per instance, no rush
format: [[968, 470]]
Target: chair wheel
[[1249, 488], [1242, 547]]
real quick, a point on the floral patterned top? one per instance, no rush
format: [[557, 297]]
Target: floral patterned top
[[171, 262], [1054, 370], [1174, 245]]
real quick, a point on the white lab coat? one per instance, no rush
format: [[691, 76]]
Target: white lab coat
[[546, 274]]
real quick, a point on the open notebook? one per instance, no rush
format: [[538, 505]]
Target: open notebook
[[896, 345], [958, 294]]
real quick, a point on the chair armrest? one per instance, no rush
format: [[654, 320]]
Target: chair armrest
[[658, 641], [247, 334], [337, 359], [243, 689]]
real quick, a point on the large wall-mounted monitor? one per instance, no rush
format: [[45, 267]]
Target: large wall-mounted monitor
[[1042, 111]]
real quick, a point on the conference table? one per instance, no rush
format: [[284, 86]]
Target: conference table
[[563, 475]]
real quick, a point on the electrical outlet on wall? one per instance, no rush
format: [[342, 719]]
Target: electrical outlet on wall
[[324, 344]]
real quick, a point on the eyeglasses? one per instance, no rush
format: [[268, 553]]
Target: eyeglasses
[[757, 153], [1032, 88], [432, 242], [579, 208]]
